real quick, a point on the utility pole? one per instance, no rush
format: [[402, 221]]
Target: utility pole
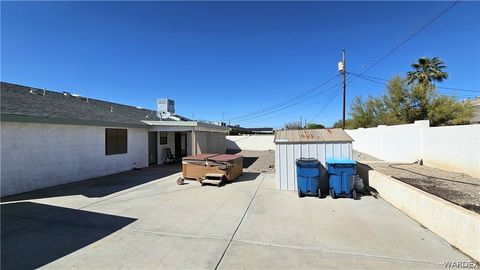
[[344, 87]]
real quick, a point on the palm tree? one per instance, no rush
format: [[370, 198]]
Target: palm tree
[[427, 70]]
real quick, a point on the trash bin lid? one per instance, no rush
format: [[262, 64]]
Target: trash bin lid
[[340, 161], [307, 162], [307, 159]]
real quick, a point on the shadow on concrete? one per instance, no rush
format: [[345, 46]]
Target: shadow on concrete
[[245, 177], [362, 171], [101, 186], [35, 234], [248, 161], [323, 183]]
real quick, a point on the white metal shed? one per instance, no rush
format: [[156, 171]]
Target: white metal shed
[[309, 143]]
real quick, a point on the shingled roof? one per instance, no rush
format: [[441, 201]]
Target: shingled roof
[[22, 102]]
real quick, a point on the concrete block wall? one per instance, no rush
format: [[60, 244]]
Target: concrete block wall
[[251, 142], [454, 148], [59, 154]]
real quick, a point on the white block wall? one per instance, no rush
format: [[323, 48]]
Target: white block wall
[[35, 155], [251, 142], [287, 154], [454, 148]]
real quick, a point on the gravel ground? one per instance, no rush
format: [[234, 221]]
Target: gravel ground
[[458, 188], [258, 161]]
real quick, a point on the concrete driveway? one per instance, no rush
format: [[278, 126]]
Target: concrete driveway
[[138, 220]]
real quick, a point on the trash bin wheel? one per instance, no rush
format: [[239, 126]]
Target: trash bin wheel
[[332, 193], [354, 194], [300, 194], [319, 193]]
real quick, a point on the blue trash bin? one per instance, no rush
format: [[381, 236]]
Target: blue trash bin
[[341, 177], [308, 177]]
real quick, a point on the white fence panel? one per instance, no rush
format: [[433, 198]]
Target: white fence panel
[[455, 148]]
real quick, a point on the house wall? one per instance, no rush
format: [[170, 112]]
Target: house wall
[[201, 141], [36, 155], [286, 155], [454, 148], [217, 142], [251, 142]]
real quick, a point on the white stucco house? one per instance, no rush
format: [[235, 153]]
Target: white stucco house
[[50, 138]]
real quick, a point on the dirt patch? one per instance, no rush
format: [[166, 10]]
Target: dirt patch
[[458, 188], [258, 161]]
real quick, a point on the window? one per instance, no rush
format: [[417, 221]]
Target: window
[[115, 141], [163, 137]]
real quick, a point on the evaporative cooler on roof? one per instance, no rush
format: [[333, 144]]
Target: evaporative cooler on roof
[[165, 108]]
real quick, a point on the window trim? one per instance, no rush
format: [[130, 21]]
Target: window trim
[[163, 137]]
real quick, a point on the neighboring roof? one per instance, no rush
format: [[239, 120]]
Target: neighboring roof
[[243, 130], [312, 136], [27, 104]]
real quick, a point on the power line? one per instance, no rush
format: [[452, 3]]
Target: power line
[[408, 38], [283, 114], [340, 90], [288, 105], [458, 89], [285, 102], [439, 87], [385, 85]]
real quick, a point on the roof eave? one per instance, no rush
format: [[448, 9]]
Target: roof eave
[[65, 121]]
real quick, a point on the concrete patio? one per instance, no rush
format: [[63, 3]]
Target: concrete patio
[[142, 219]]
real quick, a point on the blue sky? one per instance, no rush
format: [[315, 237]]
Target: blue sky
[[227, 59]]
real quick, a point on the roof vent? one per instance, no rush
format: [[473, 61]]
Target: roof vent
[[40, 92], [67, 94], [165, 108], [79, 97]]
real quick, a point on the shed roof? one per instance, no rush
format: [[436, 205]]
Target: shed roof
[[312, 136]]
